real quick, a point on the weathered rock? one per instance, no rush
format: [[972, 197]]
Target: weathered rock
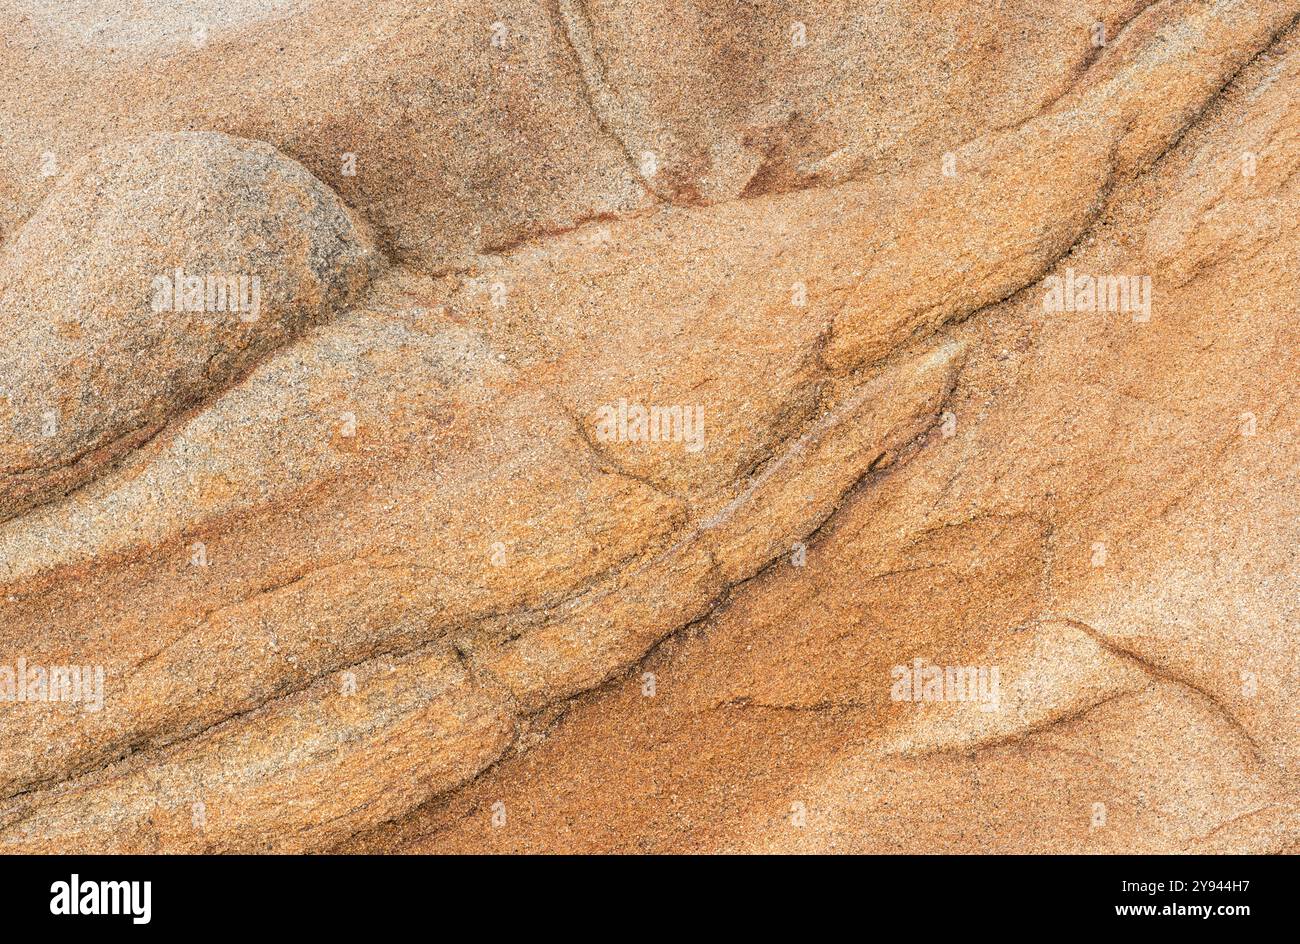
[[1104, 526], [416, 559], [156, 273]]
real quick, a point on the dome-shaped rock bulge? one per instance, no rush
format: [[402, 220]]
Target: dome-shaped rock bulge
[[156, 272]]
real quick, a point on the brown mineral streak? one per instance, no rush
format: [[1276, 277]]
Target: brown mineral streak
[[390, 558]]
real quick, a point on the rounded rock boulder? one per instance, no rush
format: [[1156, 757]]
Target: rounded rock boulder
[[156, 273]]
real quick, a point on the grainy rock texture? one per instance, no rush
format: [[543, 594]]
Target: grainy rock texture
[[704, 426], [155, 273]]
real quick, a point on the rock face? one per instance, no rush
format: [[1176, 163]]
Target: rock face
[[693, 427], [156, 272]]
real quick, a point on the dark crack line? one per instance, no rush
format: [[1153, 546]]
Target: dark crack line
[[1164, 675], [575, 26]]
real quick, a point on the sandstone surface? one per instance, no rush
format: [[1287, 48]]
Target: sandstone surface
[[970, 333]]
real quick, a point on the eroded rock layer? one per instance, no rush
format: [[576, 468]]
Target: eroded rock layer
[[714, 427]]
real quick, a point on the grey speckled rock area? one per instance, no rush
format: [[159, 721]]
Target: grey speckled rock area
[[156, 272]]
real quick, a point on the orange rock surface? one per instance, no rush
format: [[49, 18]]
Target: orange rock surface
[[685, 427]]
